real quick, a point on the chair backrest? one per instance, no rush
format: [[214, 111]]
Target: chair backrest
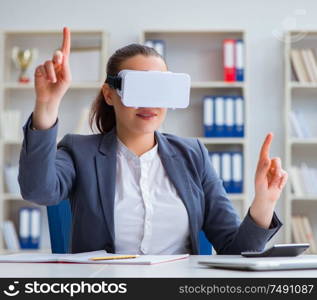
[[205, 247], [59, 222]]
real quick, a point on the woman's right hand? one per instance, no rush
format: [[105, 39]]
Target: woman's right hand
[[52, 80]]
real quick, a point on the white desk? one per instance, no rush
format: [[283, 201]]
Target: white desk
[[182, 268]]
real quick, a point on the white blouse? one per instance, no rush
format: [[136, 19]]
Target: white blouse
[[149, 216]]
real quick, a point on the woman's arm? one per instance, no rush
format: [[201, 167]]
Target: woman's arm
[[270, 180], [51, 81], [222, 224], [46, 174]]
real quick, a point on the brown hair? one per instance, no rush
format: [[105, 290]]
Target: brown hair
[[102, 114]]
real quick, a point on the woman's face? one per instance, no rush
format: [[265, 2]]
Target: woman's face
[[143, 119]]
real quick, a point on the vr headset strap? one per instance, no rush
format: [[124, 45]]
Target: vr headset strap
[[114, 81]]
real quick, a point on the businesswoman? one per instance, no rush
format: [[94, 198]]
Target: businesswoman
[[132, 188]]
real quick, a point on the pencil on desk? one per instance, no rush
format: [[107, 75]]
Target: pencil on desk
[[114, 257]]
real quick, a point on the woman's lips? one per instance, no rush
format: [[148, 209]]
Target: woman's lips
[[146, 115]]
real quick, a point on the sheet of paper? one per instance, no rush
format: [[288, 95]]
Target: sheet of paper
[[50, 257], [30, 257], [140, 260], [85, 258]]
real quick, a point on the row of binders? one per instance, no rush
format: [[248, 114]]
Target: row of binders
[[299, 125], [28, 236], [233, 60], [304, 65], [303, 180], [223, 116], [158, 45], [229, 166], [29, 227], [303, 233]]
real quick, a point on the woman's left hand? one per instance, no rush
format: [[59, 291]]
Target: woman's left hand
[[270, 180]]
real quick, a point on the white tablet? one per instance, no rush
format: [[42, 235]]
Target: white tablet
[[261, 263]]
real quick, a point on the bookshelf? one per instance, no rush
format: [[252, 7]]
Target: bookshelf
[[200, 54], [89, 54], [300, 96]]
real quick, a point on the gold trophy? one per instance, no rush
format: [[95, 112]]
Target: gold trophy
[[22, 59]]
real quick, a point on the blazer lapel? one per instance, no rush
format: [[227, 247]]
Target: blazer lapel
[[106, 174]]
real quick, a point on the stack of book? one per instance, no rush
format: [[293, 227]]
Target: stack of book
[[233, 60], [303, 233], [10, 235], [10, 125], [299, 125], [223, 116], [304, 65], [229, 167], [303, 180]]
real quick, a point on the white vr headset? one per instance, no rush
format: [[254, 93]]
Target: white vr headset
[[151, 88]]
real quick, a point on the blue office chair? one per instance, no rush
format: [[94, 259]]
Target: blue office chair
[[59, 223], [205, 247], [60, 220]]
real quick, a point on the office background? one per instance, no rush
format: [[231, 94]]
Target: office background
[[263, 22]]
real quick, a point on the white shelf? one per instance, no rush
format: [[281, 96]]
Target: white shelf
[[304, 198], [216, 84], [302, 85], [237, 197], [6, 251], [303, 141], [220, 32], [30, 85], [97, 85], [222, 141], [52, 31], [298, 150], [11, 142], [7, 196], [19, 142]]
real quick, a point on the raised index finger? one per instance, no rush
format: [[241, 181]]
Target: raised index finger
[[66, 41], [265, 150]]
